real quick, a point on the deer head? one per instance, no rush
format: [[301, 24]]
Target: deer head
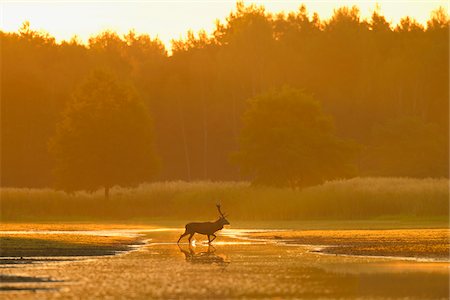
[[223, 219]]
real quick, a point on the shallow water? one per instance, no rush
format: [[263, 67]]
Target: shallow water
[[107, 232], [235, 267]]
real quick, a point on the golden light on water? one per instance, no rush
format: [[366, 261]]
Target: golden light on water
[[172, 19]]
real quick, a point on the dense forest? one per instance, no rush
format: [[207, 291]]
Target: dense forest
[[385, 86]]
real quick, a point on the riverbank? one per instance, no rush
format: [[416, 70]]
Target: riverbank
[[417, 244]]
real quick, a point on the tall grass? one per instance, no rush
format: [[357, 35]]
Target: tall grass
[[357, 198]]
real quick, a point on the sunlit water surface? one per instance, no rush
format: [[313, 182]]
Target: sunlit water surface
[[237, 266]]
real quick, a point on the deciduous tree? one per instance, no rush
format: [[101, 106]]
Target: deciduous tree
[[104, 139], [288, 140]]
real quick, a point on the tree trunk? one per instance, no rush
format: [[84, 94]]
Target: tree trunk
[[185, 144], [205, 134]]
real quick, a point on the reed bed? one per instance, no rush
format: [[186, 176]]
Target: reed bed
[[358, 198]]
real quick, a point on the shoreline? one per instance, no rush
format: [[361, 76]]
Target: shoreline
[[282, 237], [136, 239]]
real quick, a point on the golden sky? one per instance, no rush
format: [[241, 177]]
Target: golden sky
[[171, 19]]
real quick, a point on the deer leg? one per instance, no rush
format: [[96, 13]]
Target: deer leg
[[190, 237], [181, 236], [214, 237]]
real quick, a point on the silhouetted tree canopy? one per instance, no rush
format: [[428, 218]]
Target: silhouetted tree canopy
[[105, 138], [286, 139], [365, 73]]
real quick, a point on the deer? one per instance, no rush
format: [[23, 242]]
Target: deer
[[205, 228]]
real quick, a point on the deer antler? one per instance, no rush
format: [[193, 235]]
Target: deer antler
[[220, 212]]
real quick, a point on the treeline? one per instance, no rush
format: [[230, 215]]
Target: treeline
[[386, 87]]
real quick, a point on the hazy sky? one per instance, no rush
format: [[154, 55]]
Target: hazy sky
[[173, 18]]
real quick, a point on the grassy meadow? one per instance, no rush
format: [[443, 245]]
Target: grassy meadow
[[354, 199]]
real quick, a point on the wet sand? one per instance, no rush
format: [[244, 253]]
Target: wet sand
[[242, 264], [65, 243], [414, 244]]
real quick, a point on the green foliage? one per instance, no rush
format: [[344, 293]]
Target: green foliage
[[105, 138], [287, 140], [408, 147], [354, 199], [364, 72]]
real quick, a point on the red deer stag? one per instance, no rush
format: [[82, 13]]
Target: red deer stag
[[206, 228]]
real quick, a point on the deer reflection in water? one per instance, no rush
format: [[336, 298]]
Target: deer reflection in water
[[204, 257]]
